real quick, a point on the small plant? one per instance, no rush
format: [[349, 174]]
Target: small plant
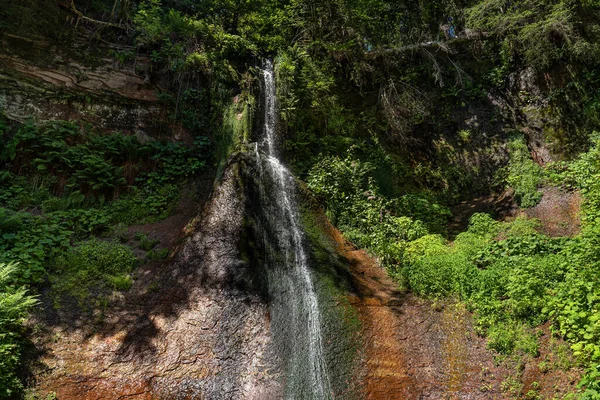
[[464, 135], [524, 174], [153, 287], [139, 236], [93, 263], [159, 254], [120, 282], [147, 244], [511, 385], [532, 394], [121, 232], [486, 387]]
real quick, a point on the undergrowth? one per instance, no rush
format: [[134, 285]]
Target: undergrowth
[[383, 224], [523, 174], [61, 183], [511, 276], [93, 261], [15, 302], [67, 196]]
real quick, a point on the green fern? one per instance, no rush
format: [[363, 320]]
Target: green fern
[[14, 305]]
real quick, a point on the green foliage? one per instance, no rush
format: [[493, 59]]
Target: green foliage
[[157, 254], [145, 243], [524, 175], [149, 21], [371, 220], [355, 80], [43, 17], [515, 279], [236, 128], [60, 167], [120, 282], [580, 174], [591, 383], [32, 241], [91, 263], [170, 34], [61, 186], [542, 32], [505, 282], [14, 305], [72, 174]]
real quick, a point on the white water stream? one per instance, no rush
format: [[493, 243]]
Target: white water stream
[[305, 308]]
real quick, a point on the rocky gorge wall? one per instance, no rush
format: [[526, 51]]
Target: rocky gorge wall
[[218, 322], [210, 329], [42, 81], [203, 333]]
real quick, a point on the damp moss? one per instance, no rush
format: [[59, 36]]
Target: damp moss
[[340, 324], [236, 129]]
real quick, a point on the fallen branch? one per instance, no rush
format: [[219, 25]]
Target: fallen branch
[[436, 45]]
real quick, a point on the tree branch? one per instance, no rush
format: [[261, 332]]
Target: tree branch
[[71, 7]]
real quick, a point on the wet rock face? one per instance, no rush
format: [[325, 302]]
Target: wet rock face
[[204, 334]]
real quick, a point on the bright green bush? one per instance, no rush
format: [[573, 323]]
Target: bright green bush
[[368, 218], [104, 257], [514, 278], [429, 267], [506, 282], [524, 174], [120, 282], [92, 263]]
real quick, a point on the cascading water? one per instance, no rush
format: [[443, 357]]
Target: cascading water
[[307, 375]]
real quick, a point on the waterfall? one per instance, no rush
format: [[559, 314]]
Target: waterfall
[[307, 371]]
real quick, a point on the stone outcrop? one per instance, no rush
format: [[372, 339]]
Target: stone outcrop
[[40, 82], [204, 333]]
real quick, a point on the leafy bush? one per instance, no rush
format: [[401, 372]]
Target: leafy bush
[[506, 282], [120, 282], [157, 254], [371, 220], [147, 244], [31, 241], [91, 263], [524, 175], [14, 305]]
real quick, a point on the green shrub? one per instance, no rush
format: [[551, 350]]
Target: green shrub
[[32, 241], [93, 263], [147, 244], [376, 222], [120, 282], [105, 257], [157, 254], [524, 174], [14, 305]]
